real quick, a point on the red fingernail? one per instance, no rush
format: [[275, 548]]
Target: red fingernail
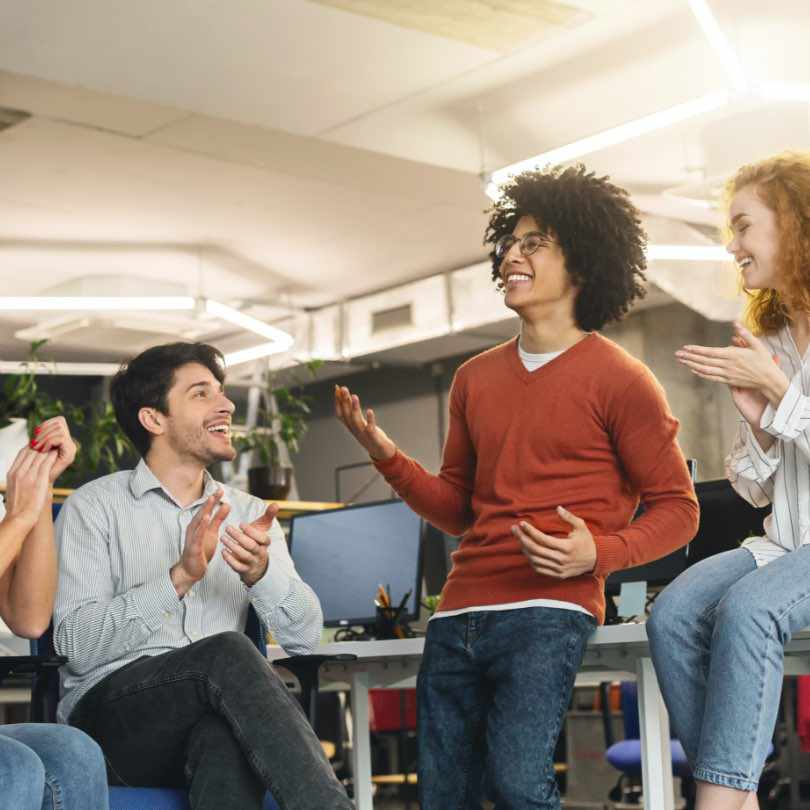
[[33, 443], [36, 430]]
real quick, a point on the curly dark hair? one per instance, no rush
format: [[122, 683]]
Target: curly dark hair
[[597, 227]]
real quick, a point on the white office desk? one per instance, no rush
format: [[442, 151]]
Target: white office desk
[[616, 652]]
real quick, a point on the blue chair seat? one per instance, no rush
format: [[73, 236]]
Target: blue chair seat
[[126, 798], [625, 756]]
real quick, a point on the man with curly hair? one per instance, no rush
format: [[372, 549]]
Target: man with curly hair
[[554, 438]]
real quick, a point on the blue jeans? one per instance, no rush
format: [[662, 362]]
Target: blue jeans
[[493, 689], [49, 767], [717, 637]]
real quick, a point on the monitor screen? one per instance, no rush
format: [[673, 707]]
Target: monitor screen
[[345, 554]]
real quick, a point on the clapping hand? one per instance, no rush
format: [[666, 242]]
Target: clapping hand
[[202, 536], [53, 435], [247, 546], [28, 484]]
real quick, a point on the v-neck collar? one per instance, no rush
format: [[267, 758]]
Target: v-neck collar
[[527, 376]]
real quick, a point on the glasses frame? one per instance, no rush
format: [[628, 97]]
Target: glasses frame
[[510, 240]]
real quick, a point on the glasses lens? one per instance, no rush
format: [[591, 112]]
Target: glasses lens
[[503, 245], [531, 243]]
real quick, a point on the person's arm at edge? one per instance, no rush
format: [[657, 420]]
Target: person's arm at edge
[[27, 573]]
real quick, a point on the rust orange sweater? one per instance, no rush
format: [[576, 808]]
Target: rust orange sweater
[[590, 431]]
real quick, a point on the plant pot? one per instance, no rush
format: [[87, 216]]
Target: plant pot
[[270, 483], [13, 438]]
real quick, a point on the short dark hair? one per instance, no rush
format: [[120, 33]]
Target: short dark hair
[[145, 381], [597, 227]]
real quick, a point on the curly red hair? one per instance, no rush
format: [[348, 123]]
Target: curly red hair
[[783, 183]]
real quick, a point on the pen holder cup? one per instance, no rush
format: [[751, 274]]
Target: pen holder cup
[[385, 623]]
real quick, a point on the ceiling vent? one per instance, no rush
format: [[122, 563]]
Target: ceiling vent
[[496, 25], [393, 318]]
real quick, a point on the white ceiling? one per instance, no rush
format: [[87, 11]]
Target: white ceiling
[[290, 152]]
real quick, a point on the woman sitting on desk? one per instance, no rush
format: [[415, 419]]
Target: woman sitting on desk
[[41, 765], [717, 634]]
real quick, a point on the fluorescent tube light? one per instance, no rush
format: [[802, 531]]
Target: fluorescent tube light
[[78, 369], [249, 323], [90, 303], [688, 253], [718, 40], [611, 137], [255, 353], [783, 91]]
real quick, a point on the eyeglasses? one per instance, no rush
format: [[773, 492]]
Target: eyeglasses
[[529, 243]]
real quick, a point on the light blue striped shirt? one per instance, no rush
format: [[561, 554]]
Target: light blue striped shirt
[[117, 538]]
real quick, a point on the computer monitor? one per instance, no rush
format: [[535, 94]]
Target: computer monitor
[[437, 558], [345, 554], [659, 572]]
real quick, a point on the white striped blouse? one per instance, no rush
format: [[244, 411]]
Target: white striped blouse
[[780, 475], [117, 538]]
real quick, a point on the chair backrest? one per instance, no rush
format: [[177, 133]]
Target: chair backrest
[[629, 704]]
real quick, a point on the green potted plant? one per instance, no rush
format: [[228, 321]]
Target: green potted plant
[[101, 445], [282, 419], [23, 405]]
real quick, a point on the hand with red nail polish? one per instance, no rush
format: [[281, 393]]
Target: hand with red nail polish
[[53, 435]]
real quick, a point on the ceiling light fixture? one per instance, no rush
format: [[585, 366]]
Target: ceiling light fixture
[[783, 91], [279, 340], [610, 137], [69, 369], [95, 303], [688, 253], [722, 47]]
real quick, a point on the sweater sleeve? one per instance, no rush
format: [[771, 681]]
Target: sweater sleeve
[[444, 499], [644, 434]]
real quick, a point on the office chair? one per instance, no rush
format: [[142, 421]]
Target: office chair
[[625, 755]]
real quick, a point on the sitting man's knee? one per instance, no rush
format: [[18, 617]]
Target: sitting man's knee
[[231, 642]]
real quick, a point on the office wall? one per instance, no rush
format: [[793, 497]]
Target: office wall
[[408, 403]]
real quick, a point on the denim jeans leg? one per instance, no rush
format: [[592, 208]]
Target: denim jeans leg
[[532, 656], [145, 714], [75, 776], [217, 767], [22, 774], [452, 701], [680, 635], [753, 622]]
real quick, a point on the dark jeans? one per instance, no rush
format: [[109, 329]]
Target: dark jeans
[[215, 718], [492, 693]]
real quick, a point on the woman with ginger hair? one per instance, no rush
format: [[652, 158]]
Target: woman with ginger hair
[[718, 632]]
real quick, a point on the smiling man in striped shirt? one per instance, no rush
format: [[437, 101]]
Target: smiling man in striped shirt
[[158, 568]]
